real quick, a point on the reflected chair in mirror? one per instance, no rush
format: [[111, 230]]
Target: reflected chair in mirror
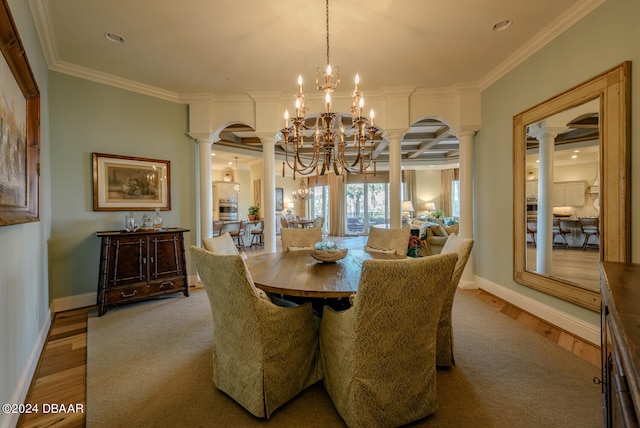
[[300, 239], [558, 232], [444, 346], [379, 356], [590, 227], [566, 229], [532, 230], [257, 235], [388, 240], [263, 355]]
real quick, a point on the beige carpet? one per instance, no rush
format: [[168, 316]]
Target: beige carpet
[[149, 364]]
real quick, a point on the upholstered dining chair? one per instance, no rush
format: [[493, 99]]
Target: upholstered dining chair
[[223, 244], [387, 240], [300, 239], [318, 222], [284, 222], [263, 354], [379, 356], [444, 343]]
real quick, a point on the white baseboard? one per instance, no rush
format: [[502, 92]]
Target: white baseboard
[[22, 388], [568, 323]]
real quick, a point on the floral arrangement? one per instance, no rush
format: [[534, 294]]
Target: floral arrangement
[[415, 245]]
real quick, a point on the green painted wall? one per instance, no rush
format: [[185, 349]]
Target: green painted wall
[[89, 117], [602, 40]]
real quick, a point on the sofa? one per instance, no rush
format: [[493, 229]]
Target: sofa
[[435, 233]]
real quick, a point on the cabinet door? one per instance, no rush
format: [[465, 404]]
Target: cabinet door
[[127, 260], [574, 194], [165, 257], [558, 195]]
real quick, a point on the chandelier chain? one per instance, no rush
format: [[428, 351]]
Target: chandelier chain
[[329, 150], [327, 14]]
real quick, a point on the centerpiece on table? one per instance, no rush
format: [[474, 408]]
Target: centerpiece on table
[[328, 252]]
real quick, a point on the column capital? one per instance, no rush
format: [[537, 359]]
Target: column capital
[[464, 131], [204, 137], [540, 130], [267, 137], [394, 134]]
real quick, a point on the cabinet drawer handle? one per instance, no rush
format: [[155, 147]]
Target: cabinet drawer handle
[[166, 283], [129, 295]]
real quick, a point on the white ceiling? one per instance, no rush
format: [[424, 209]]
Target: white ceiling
[[175, 49]]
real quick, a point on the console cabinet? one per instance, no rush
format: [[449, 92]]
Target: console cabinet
[[136, 266], [620, 321]]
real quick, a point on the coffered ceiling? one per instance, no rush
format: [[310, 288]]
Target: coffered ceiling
[[176, 49]]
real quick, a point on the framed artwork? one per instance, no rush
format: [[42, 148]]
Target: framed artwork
[[19, 128], [125, 183], [279, 199]]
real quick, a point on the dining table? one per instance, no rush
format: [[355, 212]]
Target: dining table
[[298, 274]]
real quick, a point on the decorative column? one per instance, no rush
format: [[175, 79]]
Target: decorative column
[[395, 178], [544, 242], [205, 210], [465, 139], [269, 191]]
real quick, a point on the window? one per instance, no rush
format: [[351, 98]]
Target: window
[[367, 204], [319, 206], [455, 198]]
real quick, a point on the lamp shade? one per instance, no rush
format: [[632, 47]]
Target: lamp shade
[[407, 206], [430, 206]]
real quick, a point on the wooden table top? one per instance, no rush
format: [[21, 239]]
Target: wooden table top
[[296, 273]]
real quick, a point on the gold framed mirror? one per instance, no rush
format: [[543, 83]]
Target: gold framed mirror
[[603, 105]]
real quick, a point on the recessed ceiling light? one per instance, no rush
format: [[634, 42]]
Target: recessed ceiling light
[[115, 38], [501, 25], [574, 156]]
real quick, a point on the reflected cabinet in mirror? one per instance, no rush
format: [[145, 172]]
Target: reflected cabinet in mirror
[[571, 187]]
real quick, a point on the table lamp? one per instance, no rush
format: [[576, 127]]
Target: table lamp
[[429, 207], [407, 209]]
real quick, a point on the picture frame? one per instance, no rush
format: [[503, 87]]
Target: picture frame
[[20, 118], [279, 199], [126, 183]]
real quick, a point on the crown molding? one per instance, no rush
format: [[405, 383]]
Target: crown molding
[[544, 37]]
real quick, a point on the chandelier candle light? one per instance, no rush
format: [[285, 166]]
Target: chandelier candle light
[[329, 149]]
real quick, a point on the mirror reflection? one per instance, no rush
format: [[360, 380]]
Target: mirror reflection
[[568, 216], [563, 194]]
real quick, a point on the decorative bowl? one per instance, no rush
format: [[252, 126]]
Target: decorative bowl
[[328, 251], [329, 256]]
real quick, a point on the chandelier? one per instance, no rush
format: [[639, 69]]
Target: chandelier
[[330, 138], [302, 194]]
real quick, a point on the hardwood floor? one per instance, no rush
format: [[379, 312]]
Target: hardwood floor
[[61, 373], [575, 265]]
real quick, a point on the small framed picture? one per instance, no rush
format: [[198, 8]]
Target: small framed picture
[[125, 183]]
